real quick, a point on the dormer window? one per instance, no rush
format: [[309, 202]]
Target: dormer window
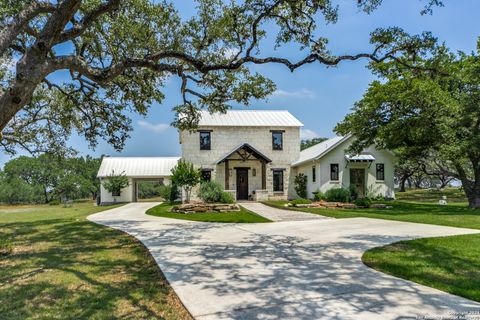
[[205, 140], [277, 140]]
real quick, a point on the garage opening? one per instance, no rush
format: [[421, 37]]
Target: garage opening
[[149, 190]]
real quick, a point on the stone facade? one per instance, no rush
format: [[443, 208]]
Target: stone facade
[[225, 139]]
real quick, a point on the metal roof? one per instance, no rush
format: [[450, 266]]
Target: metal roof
[[137, 166], [360, 157], [319, 150], [250, 118]]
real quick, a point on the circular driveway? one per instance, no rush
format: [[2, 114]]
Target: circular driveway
[[286, 270]]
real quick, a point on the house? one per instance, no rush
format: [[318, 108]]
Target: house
[[328, 165], [255, 155]]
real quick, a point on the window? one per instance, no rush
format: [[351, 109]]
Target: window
[[334, 171], [205, 140], [277, 140], [277, 180], [314, 174], [206, 175], [116, 193], [380, 171]]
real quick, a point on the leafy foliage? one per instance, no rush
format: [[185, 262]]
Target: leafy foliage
[[227, 197], [115, 182], [318, 195], [210, 191], [185, 176], [430, 107], [337, 195], [363, 202], [117, 56], [301, 185]]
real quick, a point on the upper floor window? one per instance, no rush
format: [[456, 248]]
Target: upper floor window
[[314, 174], [380, 171], [277, 180], [277, 140], [334, 171], [205, 140]]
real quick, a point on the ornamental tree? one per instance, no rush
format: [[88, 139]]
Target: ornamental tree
[[114, 183], [429, 108], [185, 176], [115, 56]]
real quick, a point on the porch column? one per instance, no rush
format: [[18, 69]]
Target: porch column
[[227, 176], [264, 176]]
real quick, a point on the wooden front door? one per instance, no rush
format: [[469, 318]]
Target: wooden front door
[[242, 184], [357, 179]]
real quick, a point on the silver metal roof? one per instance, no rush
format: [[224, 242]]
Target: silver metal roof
[[250, 118], [319, 150], [137, 167], [360, 157]]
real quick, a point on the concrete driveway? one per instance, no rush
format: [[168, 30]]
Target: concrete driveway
[[286, 270]]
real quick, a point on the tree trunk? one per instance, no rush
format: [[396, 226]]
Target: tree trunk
[[402, 184]]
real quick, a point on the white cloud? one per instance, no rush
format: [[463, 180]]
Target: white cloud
[[300, 93], [308, 134], [155, 127]]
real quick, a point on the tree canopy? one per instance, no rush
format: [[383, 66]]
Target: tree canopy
[[428, 109], [115, 56]]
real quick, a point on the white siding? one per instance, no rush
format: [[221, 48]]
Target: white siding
[[126, 195]]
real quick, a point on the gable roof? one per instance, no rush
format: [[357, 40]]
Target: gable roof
[[249, 118], [137, 166], [319, 150], [249, 149]]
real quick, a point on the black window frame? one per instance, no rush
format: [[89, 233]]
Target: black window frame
[[334, 174], [116, 193], [380, 171], [281, 187], [206, 175], [209, 145], [314, 174], [275, 146]]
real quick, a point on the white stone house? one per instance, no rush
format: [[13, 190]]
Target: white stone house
[[255, 155]]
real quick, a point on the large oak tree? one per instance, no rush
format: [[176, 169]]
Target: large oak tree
[[426, 107], [114, 56]]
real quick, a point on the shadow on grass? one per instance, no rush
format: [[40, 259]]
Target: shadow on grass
[[72, 268]]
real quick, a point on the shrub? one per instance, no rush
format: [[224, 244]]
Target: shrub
[[318, 195], [174, 193], [301, 185], [54, 202], [300, 201], [165, 192], [227, 198], [337, 195], [353, 192], [210, 191], [363, 202]]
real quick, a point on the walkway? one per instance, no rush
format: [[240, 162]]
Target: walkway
[[275, 214], [286, 270]]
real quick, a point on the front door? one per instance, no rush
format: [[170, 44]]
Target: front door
[[242, 184], [357, 179]]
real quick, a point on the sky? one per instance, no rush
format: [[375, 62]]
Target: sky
[[318, 96]]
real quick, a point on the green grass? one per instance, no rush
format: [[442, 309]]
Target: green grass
[[63, 266], [453, 194], [451, 264], [243, 216], [454, 214]]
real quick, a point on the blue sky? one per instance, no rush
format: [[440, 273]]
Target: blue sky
[[318, 96]]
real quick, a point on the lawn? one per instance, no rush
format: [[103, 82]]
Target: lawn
[[243, 216], [63, 266], [451, 264]]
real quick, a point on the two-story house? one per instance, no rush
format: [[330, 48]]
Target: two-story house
[[255, 155]]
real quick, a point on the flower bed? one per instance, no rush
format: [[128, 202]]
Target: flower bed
[[206, 207]]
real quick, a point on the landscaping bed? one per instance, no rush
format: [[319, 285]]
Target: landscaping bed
[[241, 216], [188, 208]]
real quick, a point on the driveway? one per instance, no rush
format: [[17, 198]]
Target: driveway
[[285, 270]]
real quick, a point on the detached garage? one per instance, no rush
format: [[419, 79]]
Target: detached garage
[[137, 169]]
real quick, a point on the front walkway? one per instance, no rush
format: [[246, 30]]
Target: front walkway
[[286, 270], [275, 214]]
